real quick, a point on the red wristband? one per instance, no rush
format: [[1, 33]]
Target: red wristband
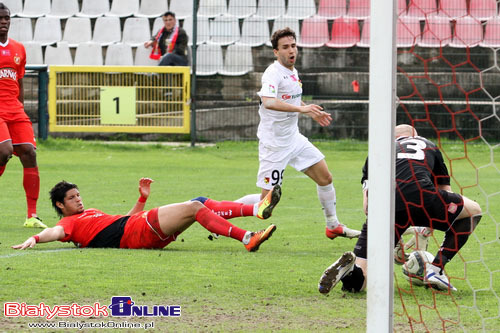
[[142, 199], [37, 238]]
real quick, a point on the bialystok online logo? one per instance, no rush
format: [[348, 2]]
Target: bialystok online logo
[[121, 306]]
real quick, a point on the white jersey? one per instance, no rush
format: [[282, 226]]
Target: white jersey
[[277, 129]]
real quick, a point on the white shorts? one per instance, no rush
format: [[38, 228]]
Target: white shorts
[[300, 155]]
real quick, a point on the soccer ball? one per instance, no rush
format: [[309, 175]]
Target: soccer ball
[[414, 267]]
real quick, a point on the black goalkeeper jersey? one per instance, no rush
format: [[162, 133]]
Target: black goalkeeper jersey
[[419, 169]]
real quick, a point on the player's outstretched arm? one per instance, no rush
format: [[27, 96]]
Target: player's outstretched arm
[[144, 191], [47, 235]]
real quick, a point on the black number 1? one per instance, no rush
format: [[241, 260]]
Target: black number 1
[[117, 100]]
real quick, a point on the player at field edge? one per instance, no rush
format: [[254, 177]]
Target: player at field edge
[[153, 229], [281, 143], [423, 198], [16, 131]]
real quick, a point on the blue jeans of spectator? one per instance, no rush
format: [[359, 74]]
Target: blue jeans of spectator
[[172, 59]]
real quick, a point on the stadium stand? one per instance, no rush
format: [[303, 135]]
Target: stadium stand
[[491, 33], [21, 29], [407, 32], [301, 9], [182, 8], [88, 53], [203, 29], [77, 30], [152, 8], [452, 9], [107, 30], [123, 8], [35, 8], [402, 9], [224, 30], [64, 8], [436, 33], [468, 32], [119, 54], [209, 59], [58, 55], [271, 9], [345, 33], [212, 8], [483, 9], [254, 31], [238, 60], [93, 8], [242, 8], [142, 57], [136, 31], [34, 55], [283, 22], [15, 6], [314, 32], [332, 9], [365, 34], [358, 9], [421, 9], [47, 30]]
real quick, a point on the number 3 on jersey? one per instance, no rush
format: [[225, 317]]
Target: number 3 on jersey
[[417, 146], [277, 177]]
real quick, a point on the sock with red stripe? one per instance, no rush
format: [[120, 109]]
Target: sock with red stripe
[[229, 209], [218, 225], [31, 183]]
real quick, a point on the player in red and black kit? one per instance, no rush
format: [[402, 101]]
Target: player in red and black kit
[[16, 131], [153, 229], [423, 198]]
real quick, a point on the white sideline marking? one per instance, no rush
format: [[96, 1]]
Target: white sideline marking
[[24, 252]]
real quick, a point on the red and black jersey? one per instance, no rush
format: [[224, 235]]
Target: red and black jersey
[[12, 67]]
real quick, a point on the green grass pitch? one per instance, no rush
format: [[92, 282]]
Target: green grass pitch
[[218, 284]]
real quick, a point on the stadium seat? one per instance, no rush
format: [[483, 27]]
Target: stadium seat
[[271, 9], [491, 33], [107, 30], [123, 8], [152, 8], [142, 57], [436, 33], [208, 59], [402, 8], [59, 55], [314, 32], [182, 8], [483, 9], [136, 31], [301, 9], [93, 8], [47, 30], [212, 8], [21, 29], [203, 30], [238, 60], [35, 8], [119, 54], [407, 32], [332, 9], [452, 9], [345, 33], [88, 54], [77, 30], [64, 8], [468, 32], [15, 6], [34, 55], [364, 41], [283, 22], [255, 31], [358, 9], [242, 8], [224, 30], [421, 9]]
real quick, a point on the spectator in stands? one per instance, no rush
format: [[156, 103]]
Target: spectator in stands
[[423, 198], [170, 43], [153, 229], [16, 131]]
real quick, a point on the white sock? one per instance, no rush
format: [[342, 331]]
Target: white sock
[[249, 199], [246, 238], [328, 200]]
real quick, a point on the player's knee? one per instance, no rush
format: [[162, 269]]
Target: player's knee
[[5, 153], [200, 199], [195, 206]]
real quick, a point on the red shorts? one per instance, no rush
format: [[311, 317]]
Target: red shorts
[[16, 127], [142, 231]]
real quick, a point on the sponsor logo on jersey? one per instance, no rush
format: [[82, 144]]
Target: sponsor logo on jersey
[[452, 208], [17, 59], [286, 96], [8, 73], [266, 180], [5, 53], [272, 89]]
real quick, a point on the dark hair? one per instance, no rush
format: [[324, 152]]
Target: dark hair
[[58, 193], [169, 13], [278, 34], [2, 6]]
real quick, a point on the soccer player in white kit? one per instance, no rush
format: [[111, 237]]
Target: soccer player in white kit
[[281, 144]]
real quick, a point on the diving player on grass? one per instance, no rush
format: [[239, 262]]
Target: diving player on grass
[[281, 144], [153, 229]]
